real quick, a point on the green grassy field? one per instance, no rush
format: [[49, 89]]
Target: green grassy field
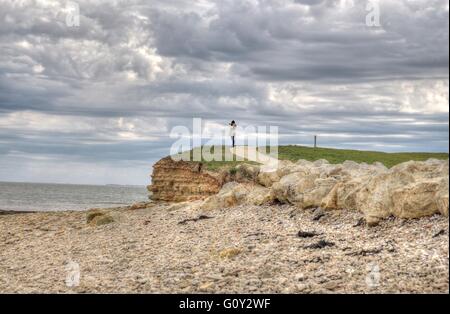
[[334, 156]]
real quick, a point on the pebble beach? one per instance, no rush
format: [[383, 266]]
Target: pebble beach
[[161, 248]]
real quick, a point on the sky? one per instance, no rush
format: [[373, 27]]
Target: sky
[[93, 97]]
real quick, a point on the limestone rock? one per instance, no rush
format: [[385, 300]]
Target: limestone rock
[[186, 206], [247, 172], [320, 162], [92, 213], [372, 221], [303, 190], [97, 218], [178, 181], [268, 178], [102, 220], [343, 194], [284, 167], [205, 286], [230, 252], [234, 193], [225, 198], [409, 190]]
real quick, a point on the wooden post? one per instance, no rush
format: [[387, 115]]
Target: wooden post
[[315, 141]]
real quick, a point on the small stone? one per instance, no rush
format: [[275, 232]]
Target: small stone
[[230, 252], [205, 286], [101, 220], [319, 213], [372, 221], [320, 245], [91, 214], [360, 222], [299, 277], [331, 285], [440, 232], [306, 234], [139, 205], [266, 274], [303, 287]]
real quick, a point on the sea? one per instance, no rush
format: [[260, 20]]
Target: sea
[[16, 196]]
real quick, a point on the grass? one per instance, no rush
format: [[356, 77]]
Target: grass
[[224, 158], [334, 156]]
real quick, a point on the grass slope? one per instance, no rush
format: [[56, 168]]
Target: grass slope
[[225, 158], [294, 153]]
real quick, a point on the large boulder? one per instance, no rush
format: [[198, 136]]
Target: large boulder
[[352, 178], [302, 190], [225, 198], [96, 217], [268, 178], [246, 172], [284, 167], [343, 194], [234, 193], [271, 173], [409, 190], [309, 183]]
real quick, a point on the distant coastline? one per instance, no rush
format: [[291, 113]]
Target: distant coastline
[[127, 185]]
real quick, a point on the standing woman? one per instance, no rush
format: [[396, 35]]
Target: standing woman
[[232, 131]]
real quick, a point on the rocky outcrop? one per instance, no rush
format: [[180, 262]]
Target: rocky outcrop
[[303, 191], [246, 172], [178, 181], [408, 190], [234, 193], [268, 176]]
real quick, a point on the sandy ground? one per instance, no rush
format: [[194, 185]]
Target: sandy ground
[[236, 250]]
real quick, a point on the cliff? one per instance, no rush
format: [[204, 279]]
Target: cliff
[[411, 189], [178, 181]]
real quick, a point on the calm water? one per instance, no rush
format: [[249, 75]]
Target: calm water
[[45, 197]]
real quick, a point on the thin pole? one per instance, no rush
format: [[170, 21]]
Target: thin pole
[[315, 141]]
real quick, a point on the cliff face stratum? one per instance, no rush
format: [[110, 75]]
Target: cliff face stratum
[[177, 181]]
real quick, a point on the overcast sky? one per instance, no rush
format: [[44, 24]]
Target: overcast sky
[[95, 103]]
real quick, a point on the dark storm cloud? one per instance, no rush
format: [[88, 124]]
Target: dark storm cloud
[[107, 93], [280, 43]]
